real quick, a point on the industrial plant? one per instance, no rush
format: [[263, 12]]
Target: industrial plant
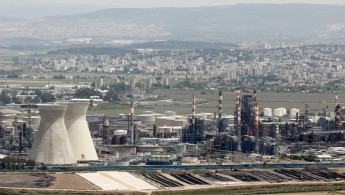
[[62, 134]]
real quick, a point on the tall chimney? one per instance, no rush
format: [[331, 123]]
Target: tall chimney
[[193, 110], [256, 107], [193, 119], [220, 106], [277, 131], [220, 112], [238, 120], [132, 118]]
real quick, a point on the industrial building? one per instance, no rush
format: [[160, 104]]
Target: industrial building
[[38, 133]]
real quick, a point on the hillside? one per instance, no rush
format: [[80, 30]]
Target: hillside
[[248, 22]]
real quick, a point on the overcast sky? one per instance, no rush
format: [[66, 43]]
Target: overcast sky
[[182, 3]]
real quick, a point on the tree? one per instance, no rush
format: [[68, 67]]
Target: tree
[[86, 93], [111, 96], [5, 98], [12, 163], [44, 96], [30, 164]]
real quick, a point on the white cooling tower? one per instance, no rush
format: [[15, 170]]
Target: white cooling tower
[[79, 133], [52, 145], [267, 112]]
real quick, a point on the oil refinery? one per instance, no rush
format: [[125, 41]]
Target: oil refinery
[[62, 134]]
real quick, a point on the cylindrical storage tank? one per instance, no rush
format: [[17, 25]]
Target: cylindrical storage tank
[[149, 148], [191, 147], [267, 112], [180, 148], [169, 113], [121, 116], [92, 118], [52, 144], [164, 120], [34, 119], [179, 123], [202, 116], [120, 132], [148, 112], [283, 111], [278, 112], [79, 133], [293, 112], [146, 118]]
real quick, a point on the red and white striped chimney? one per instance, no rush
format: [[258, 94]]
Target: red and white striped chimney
[[220, 106], [238, 96], [193, 110], [132, 110], [256, 107], [254, 97], [277, 130]]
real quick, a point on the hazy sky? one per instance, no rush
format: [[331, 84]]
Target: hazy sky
[[183, 3]]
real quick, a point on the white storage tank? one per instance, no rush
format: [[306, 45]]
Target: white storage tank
[[164, 120], [146, 118], [148, 112], [34, 119], [278, 112], [293, 112], [169, 113], [180, 148], [267, 112], [179, 122], [283, 111], [120, 132], [158, 115], [191, 147], [121, 116]]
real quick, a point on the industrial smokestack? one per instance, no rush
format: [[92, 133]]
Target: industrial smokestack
[[106, 132], [256, 107], [277, 131], [132, 118], [220, 106], [238, 119], [193, 110], [193, 119], [338, 116], [254, 97], [238, 96], [239, 126]]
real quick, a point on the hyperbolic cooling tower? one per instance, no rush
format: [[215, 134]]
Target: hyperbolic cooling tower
[[79, 133], [52, 144]]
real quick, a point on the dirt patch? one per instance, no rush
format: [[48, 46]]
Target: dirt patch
[[26, 180], [70, 181]]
